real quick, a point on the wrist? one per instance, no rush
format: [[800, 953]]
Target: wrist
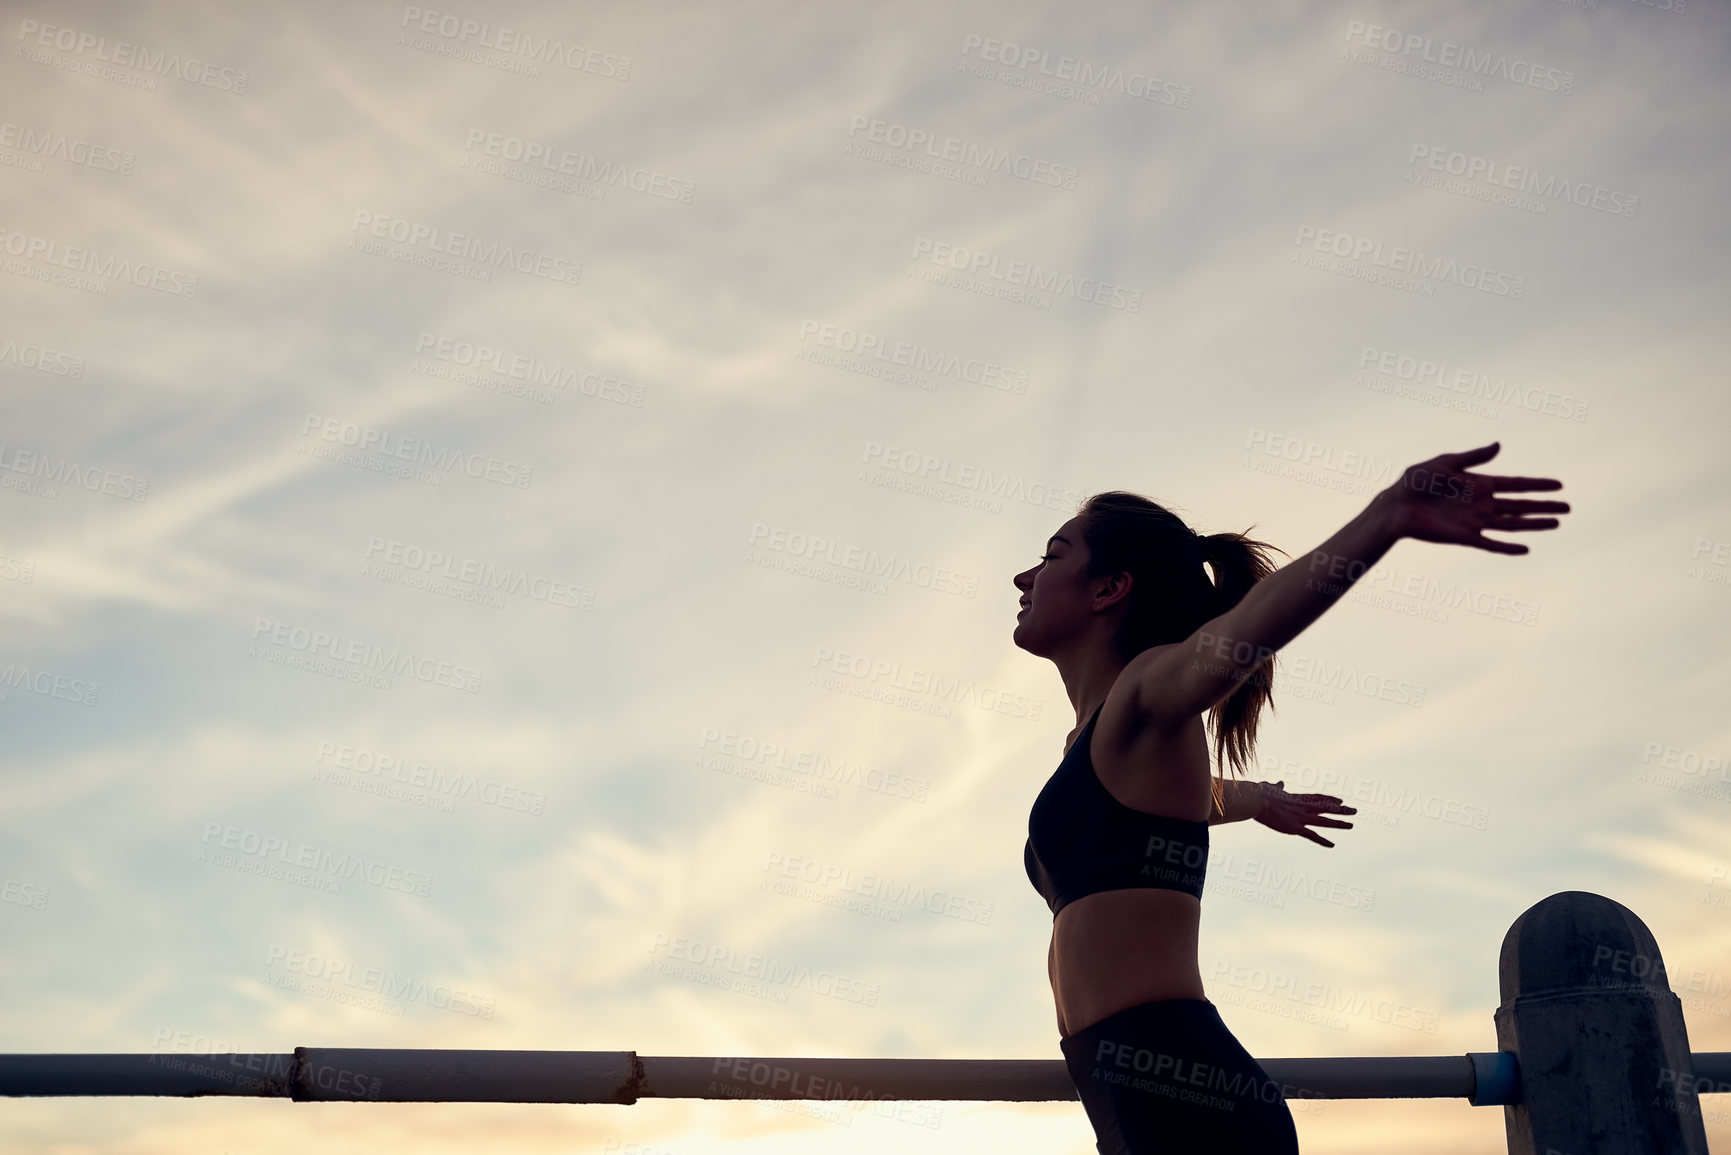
[[1384, 516]]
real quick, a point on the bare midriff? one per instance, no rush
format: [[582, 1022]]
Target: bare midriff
[[1115, 949], [1119, 948]]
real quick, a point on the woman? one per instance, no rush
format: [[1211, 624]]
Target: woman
[[1118, 838]]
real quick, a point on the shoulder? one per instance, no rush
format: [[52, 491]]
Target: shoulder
[[1139, 759]]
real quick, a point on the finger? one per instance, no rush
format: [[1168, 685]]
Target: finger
[[1317, 838], [1503, 484], [1512, 522], [1470, 457], [1325, 802], [1528, 507], [1333, 822], [1495, 546]]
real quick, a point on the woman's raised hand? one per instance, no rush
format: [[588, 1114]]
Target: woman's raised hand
[[1441, 500]]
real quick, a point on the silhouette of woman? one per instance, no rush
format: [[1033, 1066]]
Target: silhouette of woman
[[1118, 837]]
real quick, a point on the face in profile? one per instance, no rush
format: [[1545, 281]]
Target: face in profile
[[1055, 598]]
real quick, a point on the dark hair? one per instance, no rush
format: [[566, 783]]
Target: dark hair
[[1171, 595]]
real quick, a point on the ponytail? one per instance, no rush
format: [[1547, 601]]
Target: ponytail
[[1238, 563]]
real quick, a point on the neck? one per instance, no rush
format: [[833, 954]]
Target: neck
[[1088, 670]]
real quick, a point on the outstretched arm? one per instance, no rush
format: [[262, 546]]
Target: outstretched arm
[[1271, 805], [1437, 500]]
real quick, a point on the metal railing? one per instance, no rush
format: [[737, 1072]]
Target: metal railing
[[350, 1074], [1594, 1057]]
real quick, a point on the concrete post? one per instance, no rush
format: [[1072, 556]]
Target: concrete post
[[1603, 1054]]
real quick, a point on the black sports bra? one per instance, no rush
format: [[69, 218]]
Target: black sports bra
[[1081, 840]]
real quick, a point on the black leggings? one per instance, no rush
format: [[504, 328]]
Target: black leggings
[[1169, 1078]]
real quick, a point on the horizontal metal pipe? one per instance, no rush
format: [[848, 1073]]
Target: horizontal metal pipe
[[1714, 1065], [338, 1074], [182, 1075], [354, 1074], [1023, 1080], [1375, 1077], [378, 1075], [1011, 1080]]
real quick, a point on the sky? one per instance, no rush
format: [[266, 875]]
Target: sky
[[507, 517]]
